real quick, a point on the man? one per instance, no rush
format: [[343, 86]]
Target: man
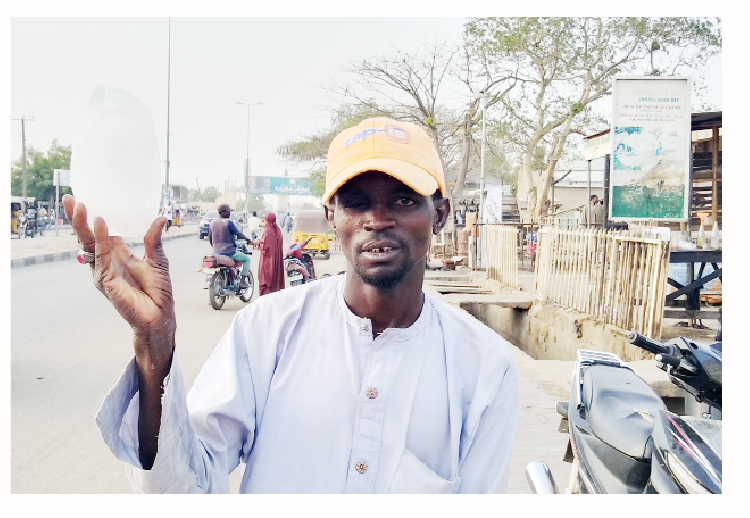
[[253, 225], [597, 211], [401, 394], [42, 218], [31, 221], [51, 216], [167, 213], [221, 234], [289, 222]]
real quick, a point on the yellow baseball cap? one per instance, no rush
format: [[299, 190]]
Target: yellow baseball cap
[[400, 149]]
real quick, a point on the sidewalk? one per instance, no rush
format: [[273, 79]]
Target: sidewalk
[[51, 247]]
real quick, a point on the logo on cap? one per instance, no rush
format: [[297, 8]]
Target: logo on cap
[[393, 132]]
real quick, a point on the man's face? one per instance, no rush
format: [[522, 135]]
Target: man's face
[[384, 227]]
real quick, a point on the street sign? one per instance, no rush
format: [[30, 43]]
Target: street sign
[[278, 185], [61, 177]]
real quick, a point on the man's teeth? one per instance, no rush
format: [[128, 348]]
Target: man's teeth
[[384, 250]]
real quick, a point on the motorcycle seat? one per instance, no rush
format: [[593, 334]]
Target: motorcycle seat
[[225, 260], [621, 408]]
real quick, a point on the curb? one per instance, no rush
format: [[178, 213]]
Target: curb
[[61, 256]]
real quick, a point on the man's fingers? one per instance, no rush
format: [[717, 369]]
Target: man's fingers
[[103, 247], [152, 239], [68, 203], [79, 221]]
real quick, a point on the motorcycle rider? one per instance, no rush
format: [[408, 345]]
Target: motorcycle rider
[[221, 235], [296, 251], [289, 222], [254, 226]]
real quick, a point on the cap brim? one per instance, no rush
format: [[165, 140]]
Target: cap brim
[[414, 176]]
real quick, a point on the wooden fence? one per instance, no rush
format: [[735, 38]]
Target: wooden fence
[[502, 254], [614, 276]]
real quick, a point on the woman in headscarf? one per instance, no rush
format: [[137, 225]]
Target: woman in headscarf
[[271, 264]]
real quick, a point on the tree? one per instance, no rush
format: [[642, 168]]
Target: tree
[[255, 203], [421, 87], [194, 195], [560, 66], [318, 179], [210, 194], [312, 150], [39, 172]]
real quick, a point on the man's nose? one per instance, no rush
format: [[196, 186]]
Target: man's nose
[[378, 217]]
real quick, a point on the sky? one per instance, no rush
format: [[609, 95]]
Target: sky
[[283, 63], [56, 63]]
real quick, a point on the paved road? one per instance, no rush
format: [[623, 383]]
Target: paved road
[[68, 347]]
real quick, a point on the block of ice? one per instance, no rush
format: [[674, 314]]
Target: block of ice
[[115, 163]]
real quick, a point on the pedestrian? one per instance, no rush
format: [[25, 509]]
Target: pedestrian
[[167, 213], [52, 216], [271, 263], [42, 217], [401, 393], [597, 211], [289, 222]]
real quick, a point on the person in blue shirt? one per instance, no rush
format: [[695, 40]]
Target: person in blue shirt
[[222, 233]]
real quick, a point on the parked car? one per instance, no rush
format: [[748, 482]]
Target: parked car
[[212, 215]]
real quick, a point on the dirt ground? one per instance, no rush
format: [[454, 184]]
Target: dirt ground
[[670, 329]]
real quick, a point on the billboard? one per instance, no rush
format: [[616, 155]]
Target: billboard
[[278, 185], [650, 149]]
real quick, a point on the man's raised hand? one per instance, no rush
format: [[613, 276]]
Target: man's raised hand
[[140, 289]]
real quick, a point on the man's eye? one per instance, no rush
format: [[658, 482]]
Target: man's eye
[[405, 200], [355, 205]]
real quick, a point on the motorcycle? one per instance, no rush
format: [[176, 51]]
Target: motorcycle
[[299, 265], [223, 275], [622, 437], [28, 225]]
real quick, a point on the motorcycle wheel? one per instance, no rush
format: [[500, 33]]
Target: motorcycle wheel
[[247, 294], [216, 300]]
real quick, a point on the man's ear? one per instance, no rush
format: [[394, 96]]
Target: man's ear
[[330, 208], [442, 211]]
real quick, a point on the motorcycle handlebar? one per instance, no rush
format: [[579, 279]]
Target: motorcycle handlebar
[[644, 342]]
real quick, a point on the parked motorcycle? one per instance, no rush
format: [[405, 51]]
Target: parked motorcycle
[[223, 275], [622, 437], [299, 265]]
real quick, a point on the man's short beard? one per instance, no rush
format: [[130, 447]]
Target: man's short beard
[[387, 281]]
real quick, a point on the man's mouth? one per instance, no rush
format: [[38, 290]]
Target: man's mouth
[[380, 250]]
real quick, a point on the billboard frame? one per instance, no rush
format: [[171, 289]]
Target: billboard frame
[[616, 97]]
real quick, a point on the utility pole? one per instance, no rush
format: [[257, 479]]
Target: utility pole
[[200, 194], [169, 59], [23, 147], [480, 226], [247, 147]]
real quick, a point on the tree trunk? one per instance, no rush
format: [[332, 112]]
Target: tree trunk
[[433, 133], [557, 148], [528, 175], [468, 122]]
